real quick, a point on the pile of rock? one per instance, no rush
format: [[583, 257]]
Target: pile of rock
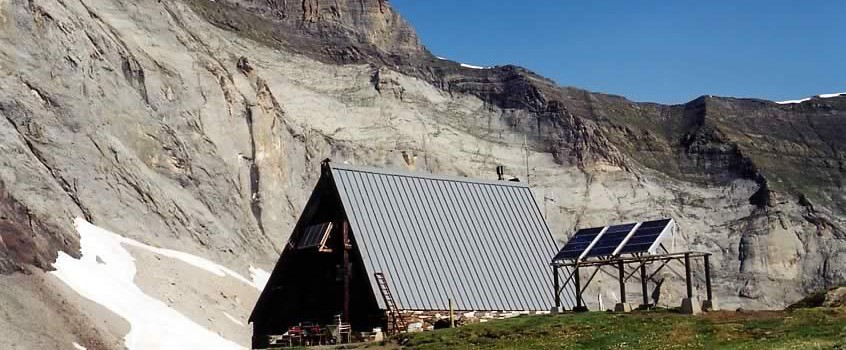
[[834, 297]]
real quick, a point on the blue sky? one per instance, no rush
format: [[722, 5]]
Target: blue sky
[[659, 51]]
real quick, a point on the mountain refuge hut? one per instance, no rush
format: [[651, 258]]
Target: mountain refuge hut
[[387, 249]]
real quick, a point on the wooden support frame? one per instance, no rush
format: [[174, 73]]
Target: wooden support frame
[[631, 274], [643, 286], [557, 287], [578, 287], [641, 262], [708, 293], [561, 286], [630, 260], [621, 268], [345, 241], [687, 276]]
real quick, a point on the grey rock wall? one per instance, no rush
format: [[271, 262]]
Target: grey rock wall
[[200, 125]]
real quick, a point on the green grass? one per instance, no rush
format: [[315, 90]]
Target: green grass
[[818, 328]]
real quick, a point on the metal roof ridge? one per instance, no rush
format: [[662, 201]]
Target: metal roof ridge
[[425, 175]]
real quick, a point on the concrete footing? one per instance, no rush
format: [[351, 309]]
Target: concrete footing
[[623, 307], [710, 305], [556, 310], [691, 306]]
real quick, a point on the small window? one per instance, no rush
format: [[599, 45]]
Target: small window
[[315, 236]]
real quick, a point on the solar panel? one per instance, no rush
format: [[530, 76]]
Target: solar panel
[[615, 240], [609, 242], [578, 243], [647, 234], [315, 236]]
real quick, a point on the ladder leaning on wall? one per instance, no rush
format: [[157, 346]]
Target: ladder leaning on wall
[[396, 319]]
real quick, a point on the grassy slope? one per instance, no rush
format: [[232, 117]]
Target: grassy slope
[[818, 328]]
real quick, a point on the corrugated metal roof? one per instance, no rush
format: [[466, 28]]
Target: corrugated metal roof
[[482, 243]]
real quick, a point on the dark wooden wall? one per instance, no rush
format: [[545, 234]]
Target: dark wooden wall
[[307, 285]]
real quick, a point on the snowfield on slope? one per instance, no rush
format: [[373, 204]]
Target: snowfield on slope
[[105, 274], [465, 65], [809, 98]]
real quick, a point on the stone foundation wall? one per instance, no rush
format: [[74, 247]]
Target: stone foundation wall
[[425, 320]]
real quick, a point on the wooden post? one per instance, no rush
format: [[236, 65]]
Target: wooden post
[[578, 287], [451, 315], [708, 276], [557, 287], [643, 285], [346, 269], [622, 282], [687, 280]]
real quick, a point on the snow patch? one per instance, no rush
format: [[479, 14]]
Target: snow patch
[[105, 274], [472, 66], [793, 101], [233, 319], [189, 259], [78, 347], [259, 277], [463, 64], [809, 98]]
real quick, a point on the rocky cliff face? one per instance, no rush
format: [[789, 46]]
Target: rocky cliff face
[[342, 31], [199, 125]]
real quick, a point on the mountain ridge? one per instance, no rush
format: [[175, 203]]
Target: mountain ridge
[[199, 126], [691, 141], [564, 116]]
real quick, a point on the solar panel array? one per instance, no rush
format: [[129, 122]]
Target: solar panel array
[[632, 238]]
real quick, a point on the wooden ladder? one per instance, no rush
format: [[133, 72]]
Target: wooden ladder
[[393, 310]]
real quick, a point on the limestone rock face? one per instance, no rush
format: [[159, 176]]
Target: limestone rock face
[[199, 126], [343, 31]]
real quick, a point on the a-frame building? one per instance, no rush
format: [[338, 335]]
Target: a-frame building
[[482, 244]]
